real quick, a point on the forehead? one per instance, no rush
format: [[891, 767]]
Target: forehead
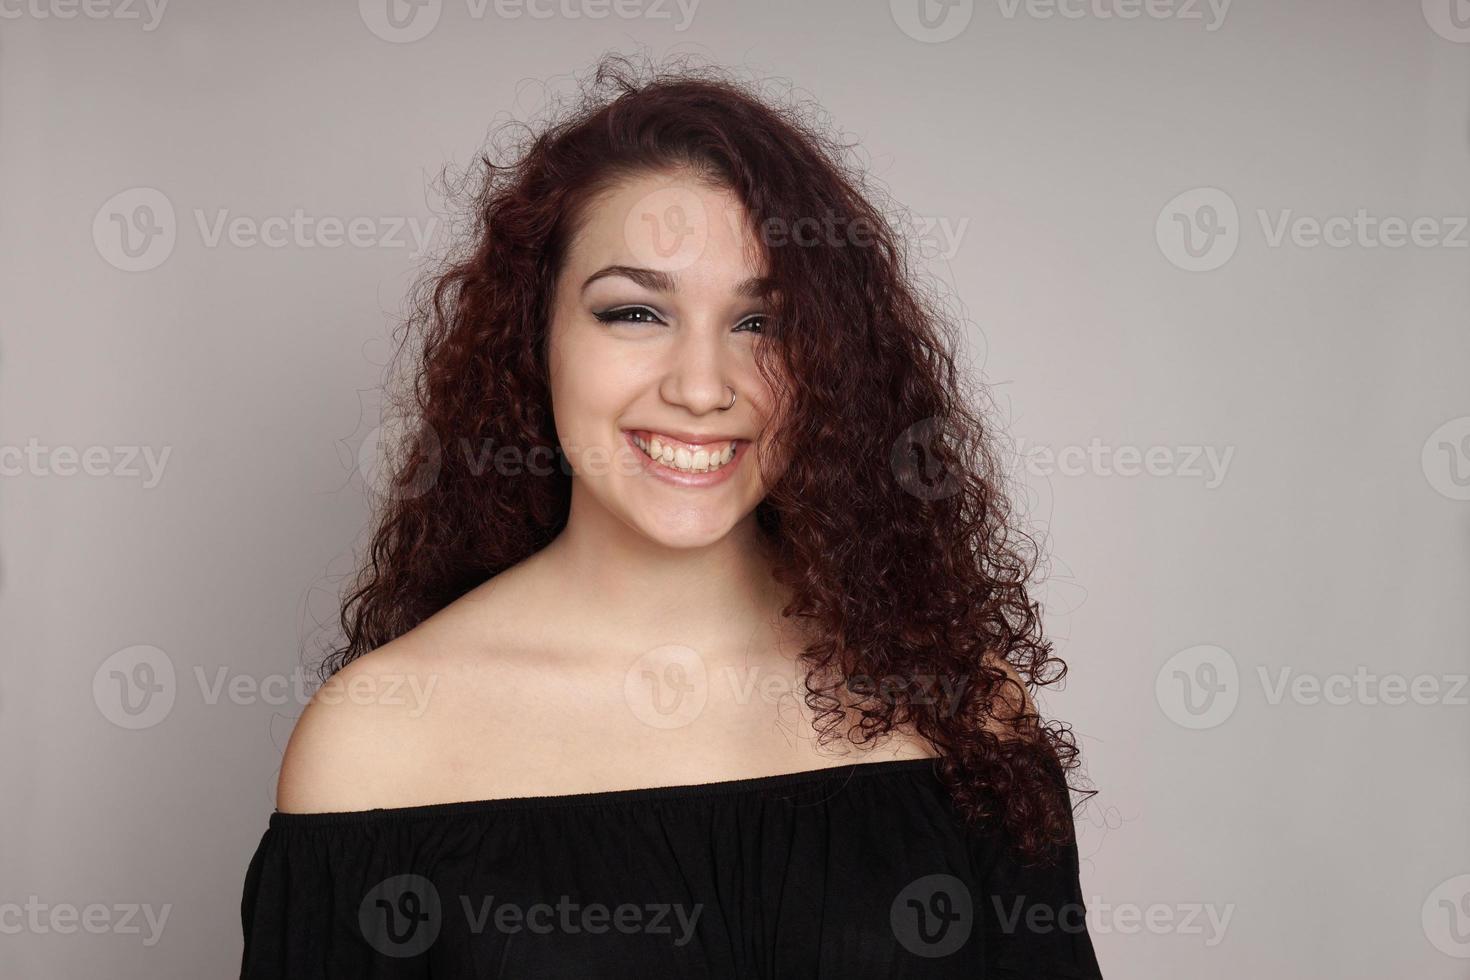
[[673, 222]]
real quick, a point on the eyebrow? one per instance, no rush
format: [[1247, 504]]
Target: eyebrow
[[756, 287]]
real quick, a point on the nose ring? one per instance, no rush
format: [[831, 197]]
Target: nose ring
[[732, 400]]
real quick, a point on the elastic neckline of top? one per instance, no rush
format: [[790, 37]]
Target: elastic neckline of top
[[752, 784]]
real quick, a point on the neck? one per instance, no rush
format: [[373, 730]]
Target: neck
[[617, 577]]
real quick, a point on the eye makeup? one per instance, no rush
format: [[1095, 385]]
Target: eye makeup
[[627, 314], [643, 314]]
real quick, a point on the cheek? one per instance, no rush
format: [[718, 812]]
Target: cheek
[[573, 391], [775, 455], [602, 376], [579, 403], [592, 383]]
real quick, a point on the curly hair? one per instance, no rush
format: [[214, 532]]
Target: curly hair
[[890, 527]]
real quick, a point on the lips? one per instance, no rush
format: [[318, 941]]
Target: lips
[[686, 462], [686, 440]]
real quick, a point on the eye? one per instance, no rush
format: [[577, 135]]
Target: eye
[[757, 324], [628, 314]]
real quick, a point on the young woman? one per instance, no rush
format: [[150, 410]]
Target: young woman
[[695, 638]]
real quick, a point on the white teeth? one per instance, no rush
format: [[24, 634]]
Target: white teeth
[[702, 460]]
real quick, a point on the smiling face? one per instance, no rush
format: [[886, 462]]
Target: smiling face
[[658, 309]]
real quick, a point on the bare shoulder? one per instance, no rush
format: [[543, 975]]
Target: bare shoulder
[[349, 735], [365, 736], [433, 715]]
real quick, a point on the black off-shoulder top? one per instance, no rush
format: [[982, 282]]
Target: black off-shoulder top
[[864, 870]]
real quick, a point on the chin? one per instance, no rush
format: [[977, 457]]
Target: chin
[[690, 527]]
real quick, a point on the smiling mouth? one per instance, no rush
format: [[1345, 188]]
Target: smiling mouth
[[686, 457]]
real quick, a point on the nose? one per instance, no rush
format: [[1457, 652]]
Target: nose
[[698, 374]]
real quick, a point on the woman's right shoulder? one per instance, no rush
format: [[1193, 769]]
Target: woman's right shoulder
[[385, 729], [354, 727], [367, 732]]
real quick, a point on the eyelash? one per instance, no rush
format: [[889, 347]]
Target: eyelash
[[620, 314]]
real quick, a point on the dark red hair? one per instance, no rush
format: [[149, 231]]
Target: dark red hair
[[890, 526]]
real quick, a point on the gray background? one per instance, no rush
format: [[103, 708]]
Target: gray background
[[1065, 155]]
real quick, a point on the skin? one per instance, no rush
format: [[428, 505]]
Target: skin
[[550, 678]]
